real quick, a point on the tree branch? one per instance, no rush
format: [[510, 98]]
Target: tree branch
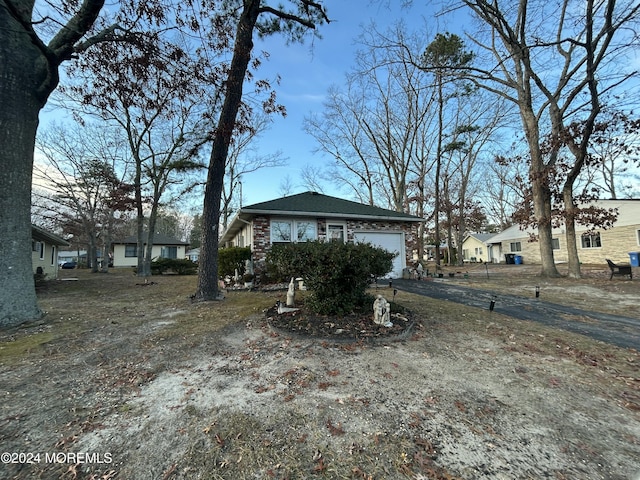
[[62, 45], [288, 16]]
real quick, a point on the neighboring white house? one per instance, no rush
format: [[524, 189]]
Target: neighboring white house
[[593, 246], [44, 251], [125, 251], [313, 216]]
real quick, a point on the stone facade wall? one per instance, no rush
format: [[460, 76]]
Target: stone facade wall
[[616, 245], [261, 241], [262, 235]]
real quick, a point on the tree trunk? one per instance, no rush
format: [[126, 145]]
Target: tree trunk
[[462, 228], [570, 234], [92, 253], [139, 218], [436, 194], [540, 191], [542, 212], [208, 272], [148, 254], [26, 80]]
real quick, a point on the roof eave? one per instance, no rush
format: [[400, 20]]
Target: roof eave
[[297, 213], [52, 238]]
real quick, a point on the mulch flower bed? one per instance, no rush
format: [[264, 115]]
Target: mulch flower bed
[[352, 327]]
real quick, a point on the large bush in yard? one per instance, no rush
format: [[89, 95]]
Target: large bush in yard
[[232, 258], [336, 273], [179, 266]]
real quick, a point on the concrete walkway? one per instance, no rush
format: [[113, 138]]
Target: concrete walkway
[[614, 329]]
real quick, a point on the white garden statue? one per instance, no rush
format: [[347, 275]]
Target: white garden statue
[[381, 312], [291, 294]]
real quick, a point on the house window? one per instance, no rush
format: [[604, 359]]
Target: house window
[[591, 240], [169, 252], [478, 251], [335, 232], [280, 231], [638, 236], [465, 254], [306, 231], [555, 243], [38, 247], [53, 255], [515, 247], [131, 250], [289, 230]]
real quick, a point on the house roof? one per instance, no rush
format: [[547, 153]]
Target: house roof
[[313, 204], [42, 235], [317, 204], [158, 239], [481, 237], [511, 233]]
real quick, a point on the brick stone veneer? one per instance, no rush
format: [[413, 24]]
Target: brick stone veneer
[[262, 235]]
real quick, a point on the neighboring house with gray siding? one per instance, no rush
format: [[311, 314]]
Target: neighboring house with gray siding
[[314, 216]]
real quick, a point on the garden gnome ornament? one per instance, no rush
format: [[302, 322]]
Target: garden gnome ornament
[[291, 294]]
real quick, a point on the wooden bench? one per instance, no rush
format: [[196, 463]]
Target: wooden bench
[[622, 270]]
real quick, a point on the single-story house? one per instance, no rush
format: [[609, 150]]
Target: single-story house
[[474, 247], [593, 246], [72, 256], [314, 216], [44, 251], [193, 254], [125, 251]]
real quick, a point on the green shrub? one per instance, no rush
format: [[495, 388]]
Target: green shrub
[[232, 258], [284, 261], [181, 266], [336, 273]]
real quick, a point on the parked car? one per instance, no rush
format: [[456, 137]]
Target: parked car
[[69, 265]]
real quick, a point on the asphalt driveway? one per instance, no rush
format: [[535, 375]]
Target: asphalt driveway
[[614, 329]]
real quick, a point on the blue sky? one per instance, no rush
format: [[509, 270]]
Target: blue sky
[[307, 71]]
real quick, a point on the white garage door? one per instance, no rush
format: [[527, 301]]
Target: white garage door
[[390, 241]]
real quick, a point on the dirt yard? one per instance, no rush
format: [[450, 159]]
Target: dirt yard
[[126, 380]]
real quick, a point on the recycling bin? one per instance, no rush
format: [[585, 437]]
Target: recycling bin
[[633, 256], [518, 259]]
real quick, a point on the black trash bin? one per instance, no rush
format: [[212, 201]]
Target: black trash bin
[[510, 258]]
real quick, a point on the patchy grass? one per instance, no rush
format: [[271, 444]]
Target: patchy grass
[[180, 390], [242, 446], [12, 350], [616, 371]]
